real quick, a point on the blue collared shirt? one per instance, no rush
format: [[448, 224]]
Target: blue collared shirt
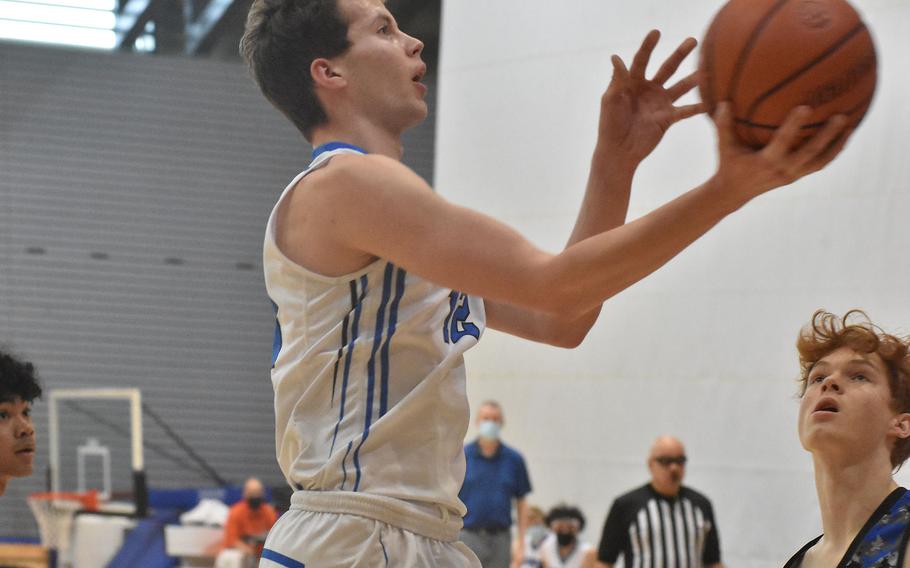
[[490, 484]]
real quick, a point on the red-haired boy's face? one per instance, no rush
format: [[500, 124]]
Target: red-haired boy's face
[[846, 412]]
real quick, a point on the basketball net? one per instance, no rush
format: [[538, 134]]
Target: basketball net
[[54, 513]]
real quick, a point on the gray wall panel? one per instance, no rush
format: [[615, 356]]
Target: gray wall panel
[[133, 198]]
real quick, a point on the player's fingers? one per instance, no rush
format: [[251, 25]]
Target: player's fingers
[[831, 152], [723, 119], [672, 63], [819, 144], [619, 67], [684, 85], [686, 111], [786, 135], [640, 61]]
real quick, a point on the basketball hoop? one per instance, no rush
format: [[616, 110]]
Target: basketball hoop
[[54, 512]]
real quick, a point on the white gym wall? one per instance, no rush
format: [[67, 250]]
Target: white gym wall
[[703, 348]]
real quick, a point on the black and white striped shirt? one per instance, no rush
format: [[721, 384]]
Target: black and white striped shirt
[[653, 531]]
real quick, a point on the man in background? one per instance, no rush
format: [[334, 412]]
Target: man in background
[[248, 523], [18, 388], [496, 476], [644, 524]]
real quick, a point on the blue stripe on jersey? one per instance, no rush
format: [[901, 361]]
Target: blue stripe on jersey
[[344, 469], [453, 299], [328, 147], [371, 366], [278, 558], [276, 343], [393, 322], [347, 358], [344, 340], [384, 553]]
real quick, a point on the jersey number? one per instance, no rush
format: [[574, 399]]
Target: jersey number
[[456, 324]]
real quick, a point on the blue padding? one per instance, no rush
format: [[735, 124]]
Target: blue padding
[[144, 545], [173, 498], [19, 540]]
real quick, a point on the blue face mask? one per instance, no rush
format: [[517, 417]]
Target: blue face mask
[[489, 429]]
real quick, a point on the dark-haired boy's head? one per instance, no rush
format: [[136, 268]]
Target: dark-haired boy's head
[[17, 380], [18, 388]]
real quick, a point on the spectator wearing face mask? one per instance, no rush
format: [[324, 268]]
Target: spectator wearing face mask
[[563, 549], [496, 476], [248, 523], [536, 532]]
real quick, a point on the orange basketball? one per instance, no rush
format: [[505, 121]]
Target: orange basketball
[[768, 56]]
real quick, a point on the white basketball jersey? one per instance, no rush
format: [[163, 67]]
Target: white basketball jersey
[[369, 377], [549, 553]]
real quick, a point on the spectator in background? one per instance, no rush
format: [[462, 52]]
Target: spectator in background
[[563, 549], [496, 476], [18, 388], [248, 523], [635, 525], [536, 531]]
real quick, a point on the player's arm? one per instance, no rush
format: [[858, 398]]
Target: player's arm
[[602, 565], [635, 113], [375, 205]]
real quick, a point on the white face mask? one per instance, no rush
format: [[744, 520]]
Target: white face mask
[[489, 429], [536, 534]]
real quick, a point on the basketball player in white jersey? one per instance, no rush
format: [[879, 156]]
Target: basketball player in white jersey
[[380, 285]]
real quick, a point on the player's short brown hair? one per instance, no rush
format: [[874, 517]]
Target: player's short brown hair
[[281, 40], [827, 332]]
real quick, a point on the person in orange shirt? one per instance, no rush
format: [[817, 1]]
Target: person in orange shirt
[[248, 523]]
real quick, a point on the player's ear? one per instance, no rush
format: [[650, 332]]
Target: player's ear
[[326, 74], [900, 425]]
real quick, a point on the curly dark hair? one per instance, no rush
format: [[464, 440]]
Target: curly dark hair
[[828, 332], [563, 511], [17, 380], [281, 40]]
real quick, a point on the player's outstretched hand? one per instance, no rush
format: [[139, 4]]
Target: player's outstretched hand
[[635, 112], [748, 172]]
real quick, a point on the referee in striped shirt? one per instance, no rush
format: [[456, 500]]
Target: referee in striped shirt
[[662, 524]]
